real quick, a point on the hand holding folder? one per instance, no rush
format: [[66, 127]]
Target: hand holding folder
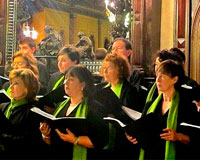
[[77, 125], [145, 129]]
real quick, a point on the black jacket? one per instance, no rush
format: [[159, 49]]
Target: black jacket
[[43, 77], [97, 132], [186, 113], [129, 98], [53, 79], [19, 136]]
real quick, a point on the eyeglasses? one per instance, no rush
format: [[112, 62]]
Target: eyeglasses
[[107, 68], [19, 64]]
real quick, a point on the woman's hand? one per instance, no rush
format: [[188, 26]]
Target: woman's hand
[[83, 141], [171, 135], [45, 130], [67, 137], [197, 105], [131, 139]]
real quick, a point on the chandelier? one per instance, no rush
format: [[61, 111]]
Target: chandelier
[[119, 14], [29, 31]]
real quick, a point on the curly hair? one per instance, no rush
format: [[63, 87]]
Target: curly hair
[[120, 62], [29, 79]]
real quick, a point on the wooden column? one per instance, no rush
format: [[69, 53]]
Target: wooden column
[[182, 36], [195, 45], [137, 32], [2, 29], [145, 32]]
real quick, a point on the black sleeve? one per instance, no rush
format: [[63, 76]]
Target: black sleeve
[[43, 76], [6, 85], [130, 98], [97, 128]]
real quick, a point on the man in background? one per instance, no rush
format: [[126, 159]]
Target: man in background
[[27, 46], [124, 47]]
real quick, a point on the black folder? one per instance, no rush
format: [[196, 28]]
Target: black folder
[[4, 97], [146, 130], [78, 126], [109, 100], [53, 97]]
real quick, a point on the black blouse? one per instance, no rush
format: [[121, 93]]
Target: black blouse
[[97, 132]]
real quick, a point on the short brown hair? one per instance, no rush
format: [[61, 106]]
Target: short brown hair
[[29, 41], [29, 79], [172, 69], [121, 62], [71, 51], [126, 42]]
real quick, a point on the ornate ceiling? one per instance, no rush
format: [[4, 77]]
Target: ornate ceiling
[[94, 8]]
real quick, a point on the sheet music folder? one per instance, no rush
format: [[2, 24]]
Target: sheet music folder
[[77, 125], [4, 96], [146, 129], [53, 97]]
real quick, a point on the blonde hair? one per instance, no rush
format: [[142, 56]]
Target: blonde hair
[[31, 61], [29, 79]]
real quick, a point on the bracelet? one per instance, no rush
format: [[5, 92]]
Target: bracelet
[[46, 137], [76, 141]]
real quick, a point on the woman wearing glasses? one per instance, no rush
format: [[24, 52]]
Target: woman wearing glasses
[[113, 94], [19, 61]]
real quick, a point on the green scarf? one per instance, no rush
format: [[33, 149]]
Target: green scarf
[[58, 82], [151, 93], [79, 152], [117, 90], [170, 150], [112, 129], [13, 105], [8, 91], [60, 107]]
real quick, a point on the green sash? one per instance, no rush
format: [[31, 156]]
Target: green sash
[[117, 90], [112, 136], [151, 93], [79, 152], [13, 105], [58, 82], [60, 107], [8, 91], [170, 150], [112, 129]]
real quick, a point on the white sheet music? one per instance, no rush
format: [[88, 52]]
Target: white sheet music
[[132, 113], [189, 125], [114, 119]]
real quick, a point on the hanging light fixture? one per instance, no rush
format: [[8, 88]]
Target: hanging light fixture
[[28, 32], [110, 15], [119, 14]]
